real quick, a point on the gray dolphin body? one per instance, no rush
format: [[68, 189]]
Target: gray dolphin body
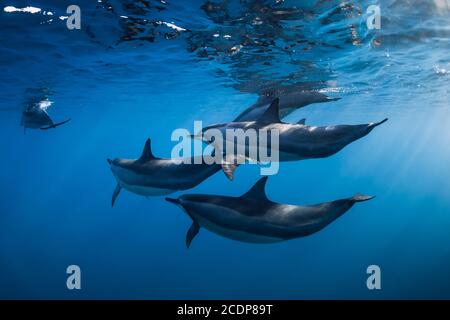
[[254, 218], [152, 176], [296, 141], [34, 117], [289, 102]]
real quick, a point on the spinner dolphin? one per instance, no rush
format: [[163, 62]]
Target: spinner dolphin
[[254, 218]]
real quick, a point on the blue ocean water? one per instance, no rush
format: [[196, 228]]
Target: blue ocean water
[[139, 69]]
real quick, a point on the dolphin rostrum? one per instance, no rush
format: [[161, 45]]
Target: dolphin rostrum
[[152, 176], [296, 141], [289, 102], [254, 218]]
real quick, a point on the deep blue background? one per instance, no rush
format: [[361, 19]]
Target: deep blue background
[[55, 185]]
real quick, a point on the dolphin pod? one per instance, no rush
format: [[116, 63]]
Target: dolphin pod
[[254, 218], [153, 176], [296, 141]]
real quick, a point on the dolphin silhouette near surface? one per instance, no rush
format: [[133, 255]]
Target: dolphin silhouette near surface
[[253, 218], [35, 116], [296, 141], [153, 176], [289, 102]]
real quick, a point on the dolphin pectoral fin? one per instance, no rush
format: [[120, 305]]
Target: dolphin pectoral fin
[[302, 122], [361, 198], [230, 164], [115, 194], [192, 232], [195, 227], [229, 169]]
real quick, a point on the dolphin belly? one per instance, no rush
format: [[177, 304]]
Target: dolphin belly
[[137, 183], [237, 235], [146, 190], [230, 224]]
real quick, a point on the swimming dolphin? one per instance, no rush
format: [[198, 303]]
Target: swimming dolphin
[[254, 218], [289, 102], [296, 141], [152, 176], [36, 117]]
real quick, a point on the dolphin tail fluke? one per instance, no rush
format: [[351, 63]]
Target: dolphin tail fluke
[[361, 198], [192, 232], [115, 194], [56, 125]]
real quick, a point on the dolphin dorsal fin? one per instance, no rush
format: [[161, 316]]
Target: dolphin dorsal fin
[[272, 114], [302, 122], [147, 152], [258, 191]]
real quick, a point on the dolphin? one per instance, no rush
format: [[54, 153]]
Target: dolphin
[[152, 176], [289, 102], [296, 141], [254, 218], [36, 117]]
